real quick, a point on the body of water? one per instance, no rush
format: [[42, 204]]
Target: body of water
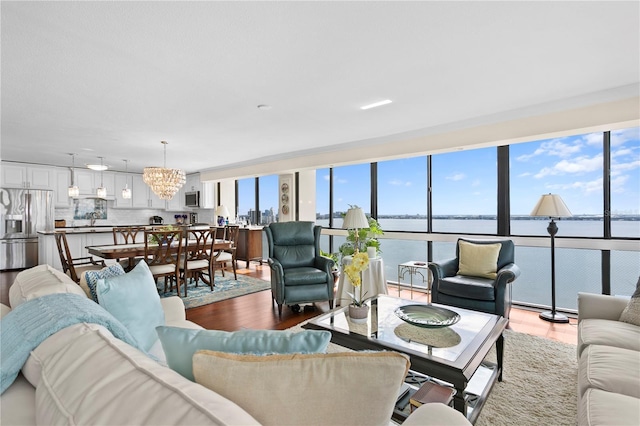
[[576, 269]]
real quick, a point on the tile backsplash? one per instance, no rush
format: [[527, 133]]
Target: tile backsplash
[[130, 217]]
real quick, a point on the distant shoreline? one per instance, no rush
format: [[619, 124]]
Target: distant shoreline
[[632, 218]]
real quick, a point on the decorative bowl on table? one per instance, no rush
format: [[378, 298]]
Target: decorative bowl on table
[[427, 316]]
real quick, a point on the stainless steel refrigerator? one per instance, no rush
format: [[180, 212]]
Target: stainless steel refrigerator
[[23, 212]]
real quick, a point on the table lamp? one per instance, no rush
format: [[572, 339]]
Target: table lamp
[[222, 213], [552, 206], [355, 219]]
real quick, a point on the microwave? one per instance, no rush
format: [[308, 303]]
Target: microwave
[[192, 199]]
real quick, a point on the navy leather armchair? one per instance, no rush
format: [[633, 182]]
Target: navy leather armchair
[[298, 273], [470, 292]]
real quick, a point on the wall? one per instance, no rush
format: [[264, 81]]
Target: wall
[[307, 195]]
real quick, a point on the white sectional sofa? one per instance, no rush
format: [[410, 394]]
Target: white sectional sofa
[[608, 363], [84, 375]]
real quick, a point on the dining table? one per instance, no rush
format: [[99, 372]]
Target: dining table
[[132, 250]]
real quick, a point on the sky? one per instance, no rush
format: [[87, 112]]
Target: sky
[[464, 182]]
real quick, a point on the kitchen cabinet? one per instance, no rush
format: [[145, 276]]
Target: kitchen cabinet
[[207, 195], [48, 250], [143, 196], [88, 182], [61, 194], [176, 204], [21, 176]]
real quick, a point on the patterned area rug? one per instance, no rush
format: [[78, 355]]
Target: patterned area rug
[[225, 288]]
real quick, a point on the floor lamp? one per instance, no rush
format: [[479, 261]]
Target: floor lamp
[[552, 206]]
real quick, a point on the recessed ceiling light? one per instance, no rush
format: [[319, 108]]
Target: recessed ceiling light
[[376, 104], [263, 106], [97, 167]]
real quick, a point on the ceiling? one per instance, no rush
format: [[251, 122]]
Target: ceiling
[[113, 79]]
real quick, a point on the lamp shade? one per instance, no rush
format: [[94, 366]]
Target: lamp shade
[[222, 211], [551, 205], [355, 219]]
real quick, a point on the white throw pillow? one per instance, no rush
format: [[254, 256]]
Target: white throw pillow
[[631, 313], [348, 388], [40, 281]]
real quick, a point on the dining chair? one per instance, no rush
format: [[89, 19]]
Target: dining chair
[[162, 251], [74, 267], [196, 262], [226, 257], [128, 235]]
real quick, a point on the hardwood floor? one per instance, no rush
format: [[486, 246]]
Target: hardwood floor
[[257, 311]]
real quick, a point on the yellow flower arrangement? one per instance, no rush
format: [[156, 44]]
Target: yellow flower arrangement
[[359, 263]]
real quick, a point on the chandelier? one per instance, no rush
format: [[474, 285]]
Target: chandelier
[[162, 181]]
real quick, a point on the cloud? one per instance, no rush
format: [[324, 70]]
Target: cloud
[[525, 174], [476, 182], [554, 147], [617, 183], [618, 168], [594, 139], [586, 187], [456, 176], [578, 165], [398, 182], [326, 177], [619, 137], [341, 181]]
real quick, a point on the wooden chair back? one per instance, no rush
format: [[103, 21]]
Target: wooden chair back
[[69, 264], [202, 246], [162, 247], [127, 234]]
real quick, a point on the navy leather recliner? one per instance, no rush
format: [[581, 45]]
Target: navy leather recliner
[[298, 273], [480, 294]]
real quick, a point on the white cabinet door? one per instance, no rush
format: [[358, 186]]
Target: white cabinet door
[[21, 176], [122, 180], [192, 183], [61, 191], [108, 180], [140, 193], [155, 202], [84, 179], [207, 195], [13, 176], [176, 204], [40, 177]]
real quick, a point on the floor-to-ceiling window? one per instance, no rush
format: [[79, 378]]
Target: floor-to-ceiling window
[[625, 183], [268, 196], [571, 167], [465, 191], [247, 200]]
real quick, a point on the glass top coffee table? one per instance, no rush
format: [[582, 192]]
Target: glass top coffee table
[[453, 354]]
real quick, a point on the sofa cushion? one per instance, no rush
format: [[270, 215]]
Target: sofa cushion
[[40, 281], [133, 299], [610, 369], [339, 388], [180, 344], [96, 379], [18, 404], [304, 276], [631, 313], [468, 287], [478, 260], [608, 333], [90, 279], [598, 407]]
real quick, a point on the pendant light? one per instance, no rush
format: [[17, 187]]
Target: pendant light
[[73, 190], [126, 191], [102, 191], [162, 181]]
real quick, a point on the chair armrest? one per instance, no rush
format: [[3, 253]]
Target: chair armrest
[[600, 306], [436, 414], [324, 263], [173, 308], [508, 273], [444, 268]]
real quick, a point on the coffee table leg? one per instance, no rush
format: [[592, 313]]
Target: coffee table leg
[[499, 353], [459, 403]]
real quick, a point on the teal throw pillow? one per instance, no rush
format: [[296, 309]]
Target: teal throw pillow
[[180, 344], [92, 277], [133, 299]]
